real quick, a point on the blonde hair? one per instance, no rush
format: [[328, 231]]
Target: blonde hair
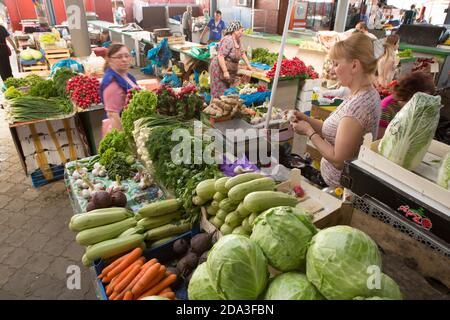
[[389, 46], [357, 47]]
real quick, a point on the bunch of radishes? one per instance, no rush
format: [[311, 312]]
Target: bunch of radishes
[[83, 90]]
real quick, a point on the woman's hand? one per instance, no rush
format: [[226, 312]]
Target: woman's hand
[[303, 128], [247, 67], [226, 75], [294, 115]]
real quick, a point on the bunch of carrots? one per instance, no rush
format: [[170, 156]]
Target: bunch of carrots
[[131, 278]]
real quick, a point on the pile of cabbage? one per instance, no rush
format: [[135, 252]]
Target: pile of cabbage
[[444, 172], [410, 133], [336, 263]]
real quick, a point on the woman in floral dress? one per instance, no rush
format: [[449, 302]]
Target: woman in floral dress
[[223, 68]]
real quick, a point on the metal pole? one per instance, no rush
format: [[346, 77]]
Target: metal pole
[[280, 58], [77, 22]]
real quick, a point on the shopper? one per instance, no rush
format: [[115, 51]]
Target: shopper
[[388, 62], [5, 53], [377, 25], [116, 82], [223, 68], [215, 27], [406, 87], [410, 15], [362, 27], [339, 138], [186, 22]]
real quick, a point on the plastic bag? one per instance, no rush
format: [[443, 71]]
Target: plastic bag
[[94, 65], [172, 80], [200, 54], [68, 63], [204, 79], [161, 54]]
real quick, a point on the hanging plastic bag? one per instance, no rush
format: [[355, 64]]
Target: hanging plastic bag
[[200, 54], [68, 63], [172, 80], [204, 80], [94, 65]]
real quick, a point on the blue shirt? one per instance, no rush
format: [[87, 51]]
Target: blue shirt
[[215, 31]]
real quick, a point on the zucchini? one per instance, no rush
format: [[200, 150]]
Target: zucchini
[[215, 204], [247, 227], [206, 189], [245, 177], [239, 191], [114, 247], [86, 262], [233, 220], [211, 210], [131, 231], [221, 214], [220, 185], [240, 230], [198, 201], [260, 201], [218, 196], [228, 205], [98, 218], [242, 211], [102, 233], [161, 242], [251, 219], [216, 222], [138, 217], [226, 229], [168, 230], [160, 208], [154, 222]]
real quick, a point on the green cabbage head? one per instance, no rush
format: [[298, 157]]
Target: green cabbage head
[[292, 286], [409, 134], [444, 172], [284, 234], [338, 262], [200, 287], [388, 289], [237, 268]]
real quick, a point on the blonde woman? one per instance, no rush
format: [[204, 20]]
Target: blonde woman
[[339, 138], [388, 62]]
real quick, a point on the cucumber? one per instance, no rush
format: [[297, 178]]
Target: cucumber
[[168, 230], [221, 214], [131, 231], [86, 262], [198, 201], [228, 205], [242, 211], [114, 247], [218, 196], [160, 208], [206, 189], [161, 242], [260, 201], [154, 222], [240, 230], [98, 218], [226, 229], [239, 191], [233, 220], [102, 233], [211, 210], [220, 185], [245, 177], [216, 222]]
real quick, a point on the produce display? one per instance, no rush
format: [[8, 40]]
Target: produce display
[[48, 38], [29, 80], [407, 53], [409, 134], [226, 106], [249, 88], [185, 104], [444, 172], [83, 90], [60, 78], [131, 277], [261, 114], [29, 108], [292, 68], [31, 55], [291, 286], [263, 55], [44, 89]]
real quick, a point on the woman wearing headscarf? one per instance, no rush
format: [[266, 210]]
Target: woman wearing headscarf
[[224, 67]]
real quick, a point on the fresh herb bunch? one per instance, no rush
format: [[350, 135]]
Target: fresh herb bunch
[[114, 139], [12, 93], [28, 108], [45, 89], [263, 55], [60, 78], [117, 164], [29, 80], [141, 105]]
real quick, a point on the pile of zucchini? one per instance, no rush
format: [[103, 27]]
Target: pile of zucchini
[[237, 201]]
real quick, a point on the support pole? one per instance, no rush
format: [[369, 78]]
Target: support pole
[[76, 18], [341, 16]]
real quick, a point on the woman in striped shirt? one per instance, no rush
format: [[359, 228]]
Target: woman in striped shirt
[[407, 86]]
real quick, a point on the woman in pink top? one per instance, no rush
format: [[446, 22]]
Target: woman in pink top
[[339, 138], [116, 82]]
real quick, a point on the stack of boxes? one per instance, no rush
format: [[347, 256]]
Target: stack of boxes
[[304, 100]]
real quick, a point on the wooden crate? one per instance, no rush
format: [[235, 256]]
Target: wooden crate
[[38, 67], [54, 55], [172, 39]]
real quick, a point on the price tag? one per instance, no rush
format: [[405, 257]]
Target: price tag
[[434, 68]]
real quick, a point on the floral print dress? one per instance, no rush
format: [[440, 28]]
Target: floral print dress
[[231, 51]]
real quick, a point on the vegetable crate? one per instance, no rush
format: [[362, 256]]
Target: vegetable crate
[[39, 66], [54, 55], [165, 255], [39, 178], [172, 40]]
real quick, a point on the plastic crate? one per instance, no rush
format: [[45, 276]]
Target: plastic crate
[[38, 179], [163, 253]]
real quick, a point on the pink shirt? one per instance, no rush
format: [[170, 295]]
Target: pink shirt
[[365, 108], [114, 97]]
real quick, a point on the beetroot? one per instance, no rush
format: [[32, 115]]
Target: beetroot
[[102, 199], [180, 246], [90, 206], [119, 199]]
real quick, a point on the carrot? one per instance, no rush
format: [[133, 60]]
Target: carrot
[[144, 268], [148, 276], [128, 278], [111, 266], [125, 272], [160, 286], [109, 290], [131, 257], [113, 296], [161, 275], [128, 296], [168, 295]]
